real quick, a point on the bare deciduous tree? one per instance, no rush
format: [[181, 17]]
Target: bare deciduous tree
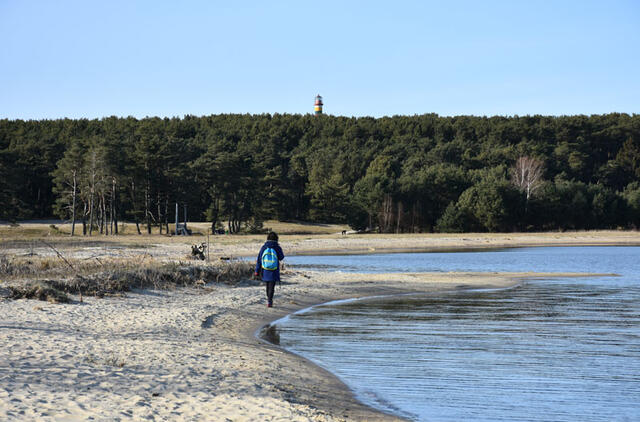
[[527, 174]]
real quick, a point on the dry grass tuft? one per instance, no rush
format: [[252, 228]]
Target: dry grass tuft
[[110, 360], [5, 265], [18, 267], [115, 277], [41, 290]]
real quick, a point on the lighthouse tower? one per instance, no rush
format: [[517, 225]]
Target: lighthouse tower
[[318, 105]]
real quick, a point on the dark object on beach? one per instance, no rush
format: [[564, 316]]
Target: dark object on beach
[[198, 251], [344, 232]]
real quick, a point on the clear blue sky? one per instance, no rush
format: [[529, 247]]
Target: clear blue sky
[[367, 58]]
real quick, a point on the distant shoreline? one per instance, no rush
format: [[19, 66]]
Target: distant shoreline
[[448, 242], [323, 243], [450, 250]]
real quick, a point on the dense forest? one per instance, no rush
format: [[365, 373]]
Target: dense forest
[[393, 174]]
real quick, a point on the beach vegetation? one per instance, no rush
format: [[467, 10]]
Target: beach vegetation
[[49, 279]]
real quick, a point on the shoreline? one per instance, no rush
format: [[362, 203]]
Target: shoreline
[[179, 247], [328, 393], [341, 400], [191, 353], [464, 242], [349, 405], [479, 248]]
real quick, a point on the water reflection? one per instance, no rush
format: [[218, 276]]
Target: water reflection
[[271, 334]]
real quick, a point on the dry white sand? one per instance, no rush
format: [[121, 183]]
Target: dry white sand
[[178, 247]]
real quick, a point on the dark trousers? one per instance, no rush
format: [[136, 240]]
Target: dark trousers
[[271, 287]]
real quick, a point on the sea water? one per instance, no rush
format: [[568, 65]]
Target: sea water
[[565, 349]]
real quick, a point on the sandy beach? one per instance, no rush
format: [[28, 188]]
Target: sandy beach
[[327, 241], [192, 353]]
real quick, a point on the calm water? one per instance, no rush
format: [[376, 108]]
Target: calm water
[[561, 350]]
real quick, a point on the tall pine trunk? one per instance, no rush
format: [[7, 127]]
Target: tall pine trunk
[[135, 207], [84, 218], [112, 205], [147, 212], [91, 214], [115, 206], [166, 213], [104, 215], [399, 217], [158, 204], [101, 214], [73, 204]]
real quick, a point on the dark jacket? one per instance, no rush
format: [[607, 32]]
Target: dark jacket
[[269, 275]]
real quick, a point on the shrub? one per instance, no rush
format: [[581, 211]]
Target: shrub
[[41, 290]]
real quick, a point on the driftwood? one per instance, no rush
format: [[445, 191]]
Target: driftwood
[[198, 251], [67, 262]]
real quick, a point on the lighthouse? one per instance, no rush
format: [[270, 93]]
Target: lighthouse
[[318, 105]]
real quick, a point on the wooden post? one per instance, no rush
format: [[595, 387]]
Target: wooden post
[[176, 218]]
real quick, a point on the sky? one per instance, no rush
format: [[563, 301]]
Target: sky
[[93, 59]]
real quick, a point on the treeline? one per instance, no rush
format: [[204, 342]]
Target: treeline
[[392, 174]]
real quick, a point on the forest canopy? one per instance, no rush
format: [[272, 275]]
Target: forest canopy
[[419, 173]]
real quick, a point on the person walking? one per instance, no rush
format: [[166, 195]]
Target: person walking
[[268, 265]]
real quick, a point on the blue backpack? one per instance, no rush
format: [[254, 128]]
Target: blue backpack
[[269, 259]]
